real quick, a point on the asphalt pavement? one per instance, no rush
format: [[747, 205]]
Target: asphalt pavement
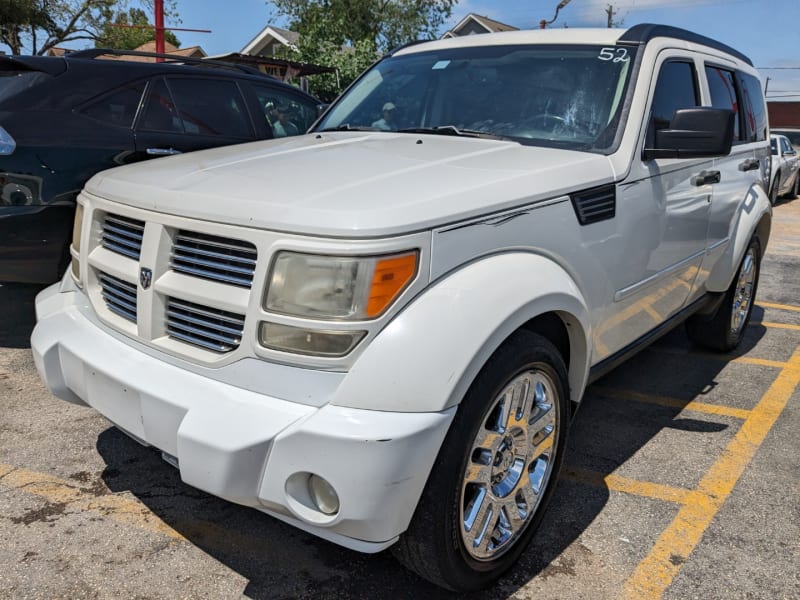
[[681, 481]]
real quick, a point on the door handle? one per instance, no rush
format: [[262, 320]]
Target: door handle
[[705, 177], [749, 165], [162, 151]]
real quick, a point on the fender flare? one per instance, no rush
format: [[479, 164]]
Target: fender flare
[[754, 218], [427, 357]]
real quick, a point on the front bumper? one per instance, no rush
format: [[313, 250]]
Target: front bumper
[[247, 447]]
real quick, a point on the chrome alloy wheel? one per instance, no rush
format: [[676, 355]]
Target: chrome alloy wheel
[[743, 295], [509, 465]]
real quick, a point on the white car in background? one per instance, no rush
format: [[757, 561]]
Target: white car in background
[[785, 177]]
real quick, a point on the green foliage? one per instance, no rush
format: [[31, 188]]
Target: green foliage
[[35, 26], [351, 34], [130, 38]]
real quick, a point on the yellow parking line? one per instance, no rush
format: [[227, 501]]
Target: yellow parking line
[[634, 487], [60, 491], [744, 360], [779, 306], [711, 409], [658, 569], [780, 326]]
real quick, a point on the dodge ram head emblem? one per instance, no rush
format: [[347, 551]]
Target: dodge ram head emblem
[[145, 277]]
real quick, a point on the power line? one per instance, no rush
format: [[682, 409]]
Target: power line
[[778, 68]]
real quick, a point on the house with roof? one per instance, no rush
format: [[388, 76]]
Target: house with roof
[[271, 42], [190, 52], [473, 24]]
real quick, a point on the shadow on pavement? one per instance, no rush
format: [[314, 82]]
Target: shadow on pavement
[[17, 314], [280, 561]]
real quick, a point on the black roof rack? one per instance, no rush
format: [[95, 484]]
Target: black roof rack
[[644, 32], [171, 58]]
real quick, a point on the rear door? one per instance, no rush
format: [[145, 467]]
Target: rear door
[[182, 114]]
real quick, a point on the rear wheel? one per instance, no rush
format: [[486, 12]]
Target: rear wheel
[[495, 471], [725, 330], [773, 191]]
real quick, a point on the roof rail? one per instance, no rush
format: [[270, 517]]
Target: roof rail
[[172, 58], [644, 32]]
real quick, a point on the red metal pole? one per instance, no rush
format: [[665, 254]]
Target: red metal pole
[[159, 6]]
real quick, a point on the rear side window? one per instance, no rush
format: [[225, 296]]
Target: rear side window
[[211, 107], [118, 108], [755, 109], [161, 114], [722, 85]]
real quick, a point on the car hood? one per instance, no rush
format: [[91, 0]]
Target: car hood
[[351, 184]]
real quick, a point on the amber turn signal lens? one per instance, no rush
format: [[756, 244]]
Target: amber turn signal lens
[[391, 276]]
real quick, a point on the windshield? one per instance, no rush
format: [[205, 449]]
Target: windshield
[[565, 96]]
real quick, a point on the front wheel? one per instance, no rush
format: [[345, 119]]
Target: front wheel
[[773, 191], [725, 330], [496, 469]]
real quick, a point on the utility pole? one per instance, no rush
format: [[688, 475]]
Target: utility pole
[[610, 12]]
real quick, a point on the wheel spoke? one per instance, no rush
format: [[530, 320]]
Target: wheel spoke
[[483, 539]]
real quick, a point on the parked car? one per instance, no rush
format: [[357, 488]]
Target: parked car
[[64, 119], [785, 178], [792, 133], [388, 353]]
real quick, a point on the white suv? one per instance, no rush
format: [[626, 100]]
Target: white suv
[[379, 331]]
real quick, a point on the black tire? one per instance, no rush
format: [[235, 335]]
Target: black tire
[[773, 191], [434, 545], [795, 188], [725, 329]]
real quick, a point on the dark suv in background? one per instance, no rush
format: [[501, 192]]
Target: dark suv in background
[[64, 119]]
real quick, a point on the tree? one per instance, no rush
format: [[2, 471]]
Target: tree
[[351, 34], [129, 38], [35, 26]]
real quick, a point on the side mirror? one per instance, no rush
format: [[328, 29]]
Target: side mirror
[[694, 133]]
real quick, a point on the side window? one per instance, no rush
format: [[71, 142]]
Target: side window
[[723, 95], [755, 109], [676, 88], [117, 108], [774, 146], [785, 145], [160, 113], [211, 107], [285, 113]]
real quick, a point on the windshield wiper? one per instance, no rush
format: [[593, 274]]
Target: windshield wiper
[[453, 130], [348, 127]]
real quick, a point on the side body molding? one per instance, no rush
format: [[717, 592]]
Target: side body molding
[[427, 357]]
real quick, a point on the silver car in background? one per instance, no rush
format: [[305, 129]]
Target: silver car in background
[[785, 178]]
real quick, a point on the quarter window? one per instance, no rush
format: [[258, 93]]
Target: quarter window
[[723, 95]]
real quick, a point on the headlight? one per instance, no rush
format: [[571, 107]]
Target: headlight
[[350, 288], [7, 143], [77, 226]]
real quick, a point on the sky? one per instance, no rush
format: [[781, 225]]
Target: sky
[[764, 30]]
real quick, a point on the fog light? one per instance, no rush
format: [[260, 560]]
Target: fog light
[[313, 342], [323, 495]]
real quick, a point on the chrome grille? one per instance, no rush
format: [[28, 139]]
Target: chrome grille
[[119, 295], [209, 328], [215, 258], [122, 235]]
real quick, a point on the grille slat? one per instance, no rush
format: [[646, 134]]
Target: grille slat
[[122, 235], [203, 326], [215, 258], [119, 296]]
